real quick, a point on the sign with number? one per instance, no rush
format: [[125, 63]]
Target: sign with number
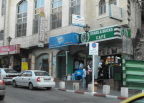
[[93, 48]]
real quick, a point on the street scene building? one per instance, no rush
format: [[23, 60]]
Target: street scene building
[[52, 35]]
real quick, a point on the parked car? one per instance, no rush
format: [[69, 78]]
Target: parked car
[[7, 74], [2, 89], [34, 78], [138, 98]]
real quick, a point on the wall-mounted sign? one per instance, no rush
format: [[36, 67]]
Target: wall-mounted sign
[[78, 20], [105, 33], [93, 48], [42, 29], [40, 44], [64, 40], [12, 49], [115, 12]]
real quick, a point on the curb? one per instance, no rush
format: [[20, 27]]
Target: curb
[[93, 94]]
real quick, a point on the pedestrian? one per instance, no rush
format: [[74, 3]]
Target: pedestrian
[[84, 78], [81, 66]]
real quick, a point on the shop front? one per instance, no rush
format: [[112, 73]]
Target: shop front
[[113, 42], [10, 56], [64, 58]]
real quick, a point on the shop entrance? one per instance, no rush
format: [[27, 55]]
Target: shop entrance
[[61, 64], [42, 62]]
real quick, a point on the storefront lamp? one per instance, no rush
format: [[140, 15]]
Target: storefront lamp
[[9, 40], [86, 28]]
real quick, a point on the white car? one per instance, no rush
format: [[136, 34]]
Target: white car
[[7, 74], [34, 78], [2, 89]]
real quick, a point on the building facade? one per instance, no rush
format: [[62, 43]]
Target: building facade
[[31, 23]]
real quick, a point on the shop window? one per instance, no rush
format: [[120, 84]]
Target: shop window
[[102, 7], [21, 19], [56, 16], [113, 2], [74, 9], [39, 7]]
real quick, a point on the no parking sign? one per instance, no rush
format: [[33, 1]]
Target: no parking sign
[[93, 48]]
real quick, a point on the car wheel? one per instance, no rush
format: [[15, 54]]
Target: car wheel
[[48, 88], [14, 84], [2, 97], [30, 86]]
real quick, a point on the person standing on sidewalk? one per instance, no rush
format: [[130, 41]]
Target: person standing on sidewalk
[[84, 78]]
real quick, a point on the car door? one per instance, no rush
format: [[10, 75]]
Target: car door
[[21, 78], [27, 78]]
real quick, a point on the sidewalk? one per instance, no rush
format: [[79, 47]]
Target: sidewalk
[[113, 93]]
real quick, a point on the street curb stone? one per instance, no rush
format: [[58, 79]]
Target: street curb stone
[[92, 94]]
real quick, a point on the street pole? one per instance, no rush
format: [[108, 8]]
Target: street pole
[[9, 40], [86, 29], [8, 55]]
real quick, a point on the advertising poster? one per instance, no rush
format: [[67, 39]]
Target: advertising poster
[[24, 65]]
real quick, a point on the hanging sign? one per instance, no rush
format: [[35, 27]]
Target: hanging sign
[[42, 27], [78, 20], [93, 48]]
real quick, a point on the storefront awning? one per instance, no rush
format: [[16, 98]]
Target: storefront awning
[[64, 40]]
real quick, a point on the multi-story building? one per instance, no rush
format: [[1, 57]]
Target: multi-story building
[[33, 23]]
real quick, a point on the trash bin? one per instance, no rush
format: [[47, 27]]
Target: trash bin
[[95, 86]]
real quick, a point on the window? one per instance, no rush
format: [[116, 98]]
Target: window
[[41, 74], [39, 7], [29, 74], [21, 19], [1, 34], [74, 9], [3, 7], [102, 7], [56, 16], [23, 74], [113, 2]]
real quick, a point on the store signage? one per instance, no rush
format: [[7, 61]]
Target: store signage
[[78, 20], [12, 49], [93, 48], [105, 33], [115, 12], [42, 29], [64, 40]]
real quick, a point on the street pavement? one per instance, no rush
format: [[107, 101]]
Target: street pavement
[[24, 95]]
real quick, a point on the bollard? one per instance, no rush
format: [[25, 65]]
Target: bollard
[[90, 87], [106, 89], [124, 92], [61, 85], [75, 86]]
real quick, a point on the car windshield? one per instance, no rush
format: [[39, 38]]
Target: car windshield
[[41, 74], [10, 71]]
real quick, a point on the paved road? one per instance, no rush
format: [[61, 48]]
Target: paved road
[[24, 95]]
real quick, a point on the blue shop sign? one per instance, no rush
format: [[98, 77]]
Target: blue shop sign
[[64, 40]]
